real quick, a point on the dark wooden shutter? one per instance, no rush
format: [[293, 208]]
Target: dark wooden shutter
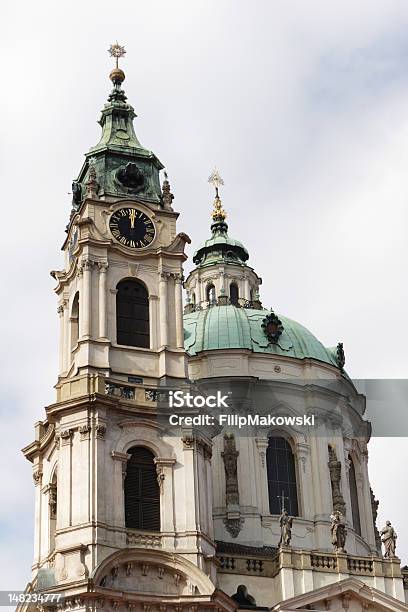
[[281, 470], [132, 314], [234, 294], [142, 492]]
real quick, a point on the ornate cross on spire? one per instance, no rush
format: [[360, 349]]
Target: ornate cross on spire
[[282, 498], [218, 214], [116, 50], [215, 179]]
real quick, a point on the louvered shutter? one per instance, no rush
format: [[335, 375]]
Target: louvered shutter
[[132, 314], [142, 492]]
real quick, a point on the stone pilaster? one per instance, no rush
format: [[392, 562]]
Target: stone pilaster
[[103, 269]]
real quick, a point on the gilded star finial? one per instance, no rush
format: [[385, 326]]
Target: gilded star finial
[[218, 214], [116, 50]]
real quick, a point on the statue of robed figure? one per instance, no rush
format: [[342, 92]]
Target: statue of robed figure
[[389, 539], [338, 531]]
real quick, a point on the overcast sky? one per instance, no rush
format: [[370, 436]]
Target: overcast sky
[[303, 106]]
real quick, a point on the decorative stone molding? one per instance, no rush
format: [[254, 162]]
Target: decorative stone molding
[[233, 521], [100, 430], [234, 525], [103, 267], [143, 539], [52, 500], [188, 442], [87, 264], [66, 436], [133, 268], [162, 465], [84, 431], [37, 476], [335, 479], [302, 454], [230, 457], [262, 445], [374, 508]]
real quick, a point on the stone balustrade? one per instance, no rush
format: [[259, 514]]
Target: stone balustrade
[[270, 565]]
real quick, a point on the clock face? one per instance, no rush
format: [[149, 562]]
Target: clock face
[[132, 228]]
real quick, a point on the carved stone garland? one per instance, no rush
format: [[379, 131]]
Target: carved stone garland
[[233, 521], [374, 507], [335, 479]]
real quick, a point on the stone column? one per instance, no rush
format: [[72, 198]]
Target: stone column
[[246, 289], [103, 267], [64, 518], [164, 332], [62, 347], [86, 305], [199, 294], [262, 475], [37, 477], [178, 303], [153, 318], [67, 348], [191, 508], [121, 460], [305, 478], [164, 468], [222, 281], [209, 488]]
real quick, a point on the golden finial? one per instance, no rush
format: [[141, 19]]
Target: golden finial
[[218, 214], [116, 50]]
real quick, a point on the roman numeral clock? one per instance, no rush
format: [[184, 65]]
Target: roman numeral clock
[[132, 228]]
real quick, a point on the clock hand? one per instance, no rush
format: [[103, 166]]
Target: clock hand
[[132, 216]]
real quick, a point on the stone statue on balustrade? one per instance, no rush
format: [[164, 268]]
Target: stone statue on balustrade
[[285, 522], [389, 539], [338, 531]]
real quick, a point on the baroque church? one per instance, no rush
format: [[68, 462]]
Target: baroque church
[[132, 517]]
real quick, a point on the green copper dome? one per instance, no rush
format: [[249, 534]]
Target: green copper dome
[[220, 248], [229, 327]]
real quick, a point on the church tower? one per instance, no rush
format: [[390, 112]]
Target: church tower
[[131, 516], [122, 513]]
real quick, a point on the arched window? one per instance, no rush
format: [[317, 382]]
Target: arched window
[[281, 470], [142, 492], [234, 296], [211, 294], [355, 511], [74, 321], [132, 314], [193, 299]]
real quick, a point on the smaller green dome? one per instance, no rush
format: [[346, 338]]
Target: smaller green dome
[[229, 327], [220, 248]]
